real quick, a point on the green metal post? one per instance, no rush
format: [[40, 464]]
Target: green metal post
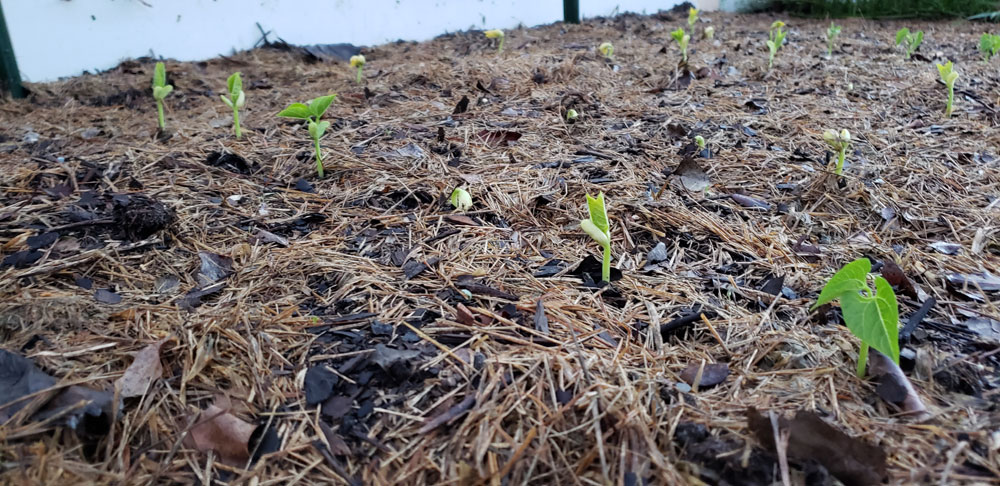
[[10, 77], [571, 11]]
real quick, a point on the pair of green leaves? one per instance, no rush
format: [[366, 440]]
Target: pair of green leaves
[[312, 113], [682, 39], [871, 316], [989, 45], [236, 99], [949, 76], [160, 87], [909, 40]]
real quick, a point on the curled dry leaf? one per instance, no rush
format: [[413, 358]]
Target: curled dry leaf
[[218, 430], [894, 387], [144, 370], [852, 461]]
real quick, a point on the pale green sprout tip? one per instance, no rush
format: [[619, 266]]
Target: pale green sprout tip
[[948, 75], [235, 101], [682, 39], [698, 139], [709, 32], [607, 50], [692, 17], [838, 141], [358, 62], [598, 228], [496, 34], [461, 199], [160, 91], [775, 39], [571, 115], [831, 38]]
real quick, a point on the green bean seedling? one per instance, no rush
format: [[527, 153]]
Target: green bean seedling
[[235, 101], [598, 227], [831, 38], [989, 45], [948, 75], [160, 91], [775, 38], [312, 114], [358, 62], [839, 142], [682, 41], [495, 34], [909, 40]]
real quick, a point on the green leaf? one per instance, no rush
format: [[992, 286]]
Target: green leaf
[[917, 40], [598, 213], [235, 84], [226, 101], [848, 280], [296, 110], [159, 75], [317, 129], [319, 105], [677, 35], [901, 35], [874, 319]]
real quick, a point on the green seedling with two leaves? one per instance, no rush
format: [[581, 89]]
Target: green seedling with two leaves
[[871, 316], [775, 39], [989, 45], [682, 39], [948, 75], [831, 38], [692, 17], [312, 114], [599, 228], [160, 91], [909, 40], [235, 101]]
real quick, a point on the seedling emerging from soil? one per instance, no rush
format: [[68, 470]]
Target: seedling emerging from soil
[[698, 139], [989, 45], [160, 91], [775, 38], [607, 50], [312, 113], [909, 40], [235, 101], [692, 17], [872, 317], [831, 38], [839, 142], [461, 199], [571, 115], [358, 62], [948, 75], [598, 228], [709, 32], [682, 41], [496, 34]]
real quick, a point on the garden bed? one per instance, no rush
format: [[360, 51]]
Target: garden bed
[[358, 327]]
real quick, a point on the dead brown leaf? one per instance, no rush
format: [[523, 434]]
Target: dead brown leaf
[[144, 370], [220, 431]]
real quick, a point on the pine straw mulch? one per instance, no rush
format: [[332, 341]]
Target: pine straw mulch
[[596, 399]]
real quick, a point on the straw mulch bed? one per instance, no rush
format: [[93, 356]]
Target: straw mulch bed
[[447, 376]]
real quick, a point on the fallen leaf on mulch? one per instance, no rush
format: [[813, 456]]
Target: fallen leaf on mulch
[[19, 377], [985, 281], [337, 406], [498, 138], [713, 374], [144, 370], [897, 278], [852, 461], [985, 327], [691, 176], [946, 248], [396, 362], [894, 387], [338, 446], [749, 202], [80, 408], [106, 296], [220, 431], [214, 267], [541, 322]]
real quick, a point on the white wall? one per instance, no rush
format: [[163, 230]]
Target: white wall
[[56, 38]]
